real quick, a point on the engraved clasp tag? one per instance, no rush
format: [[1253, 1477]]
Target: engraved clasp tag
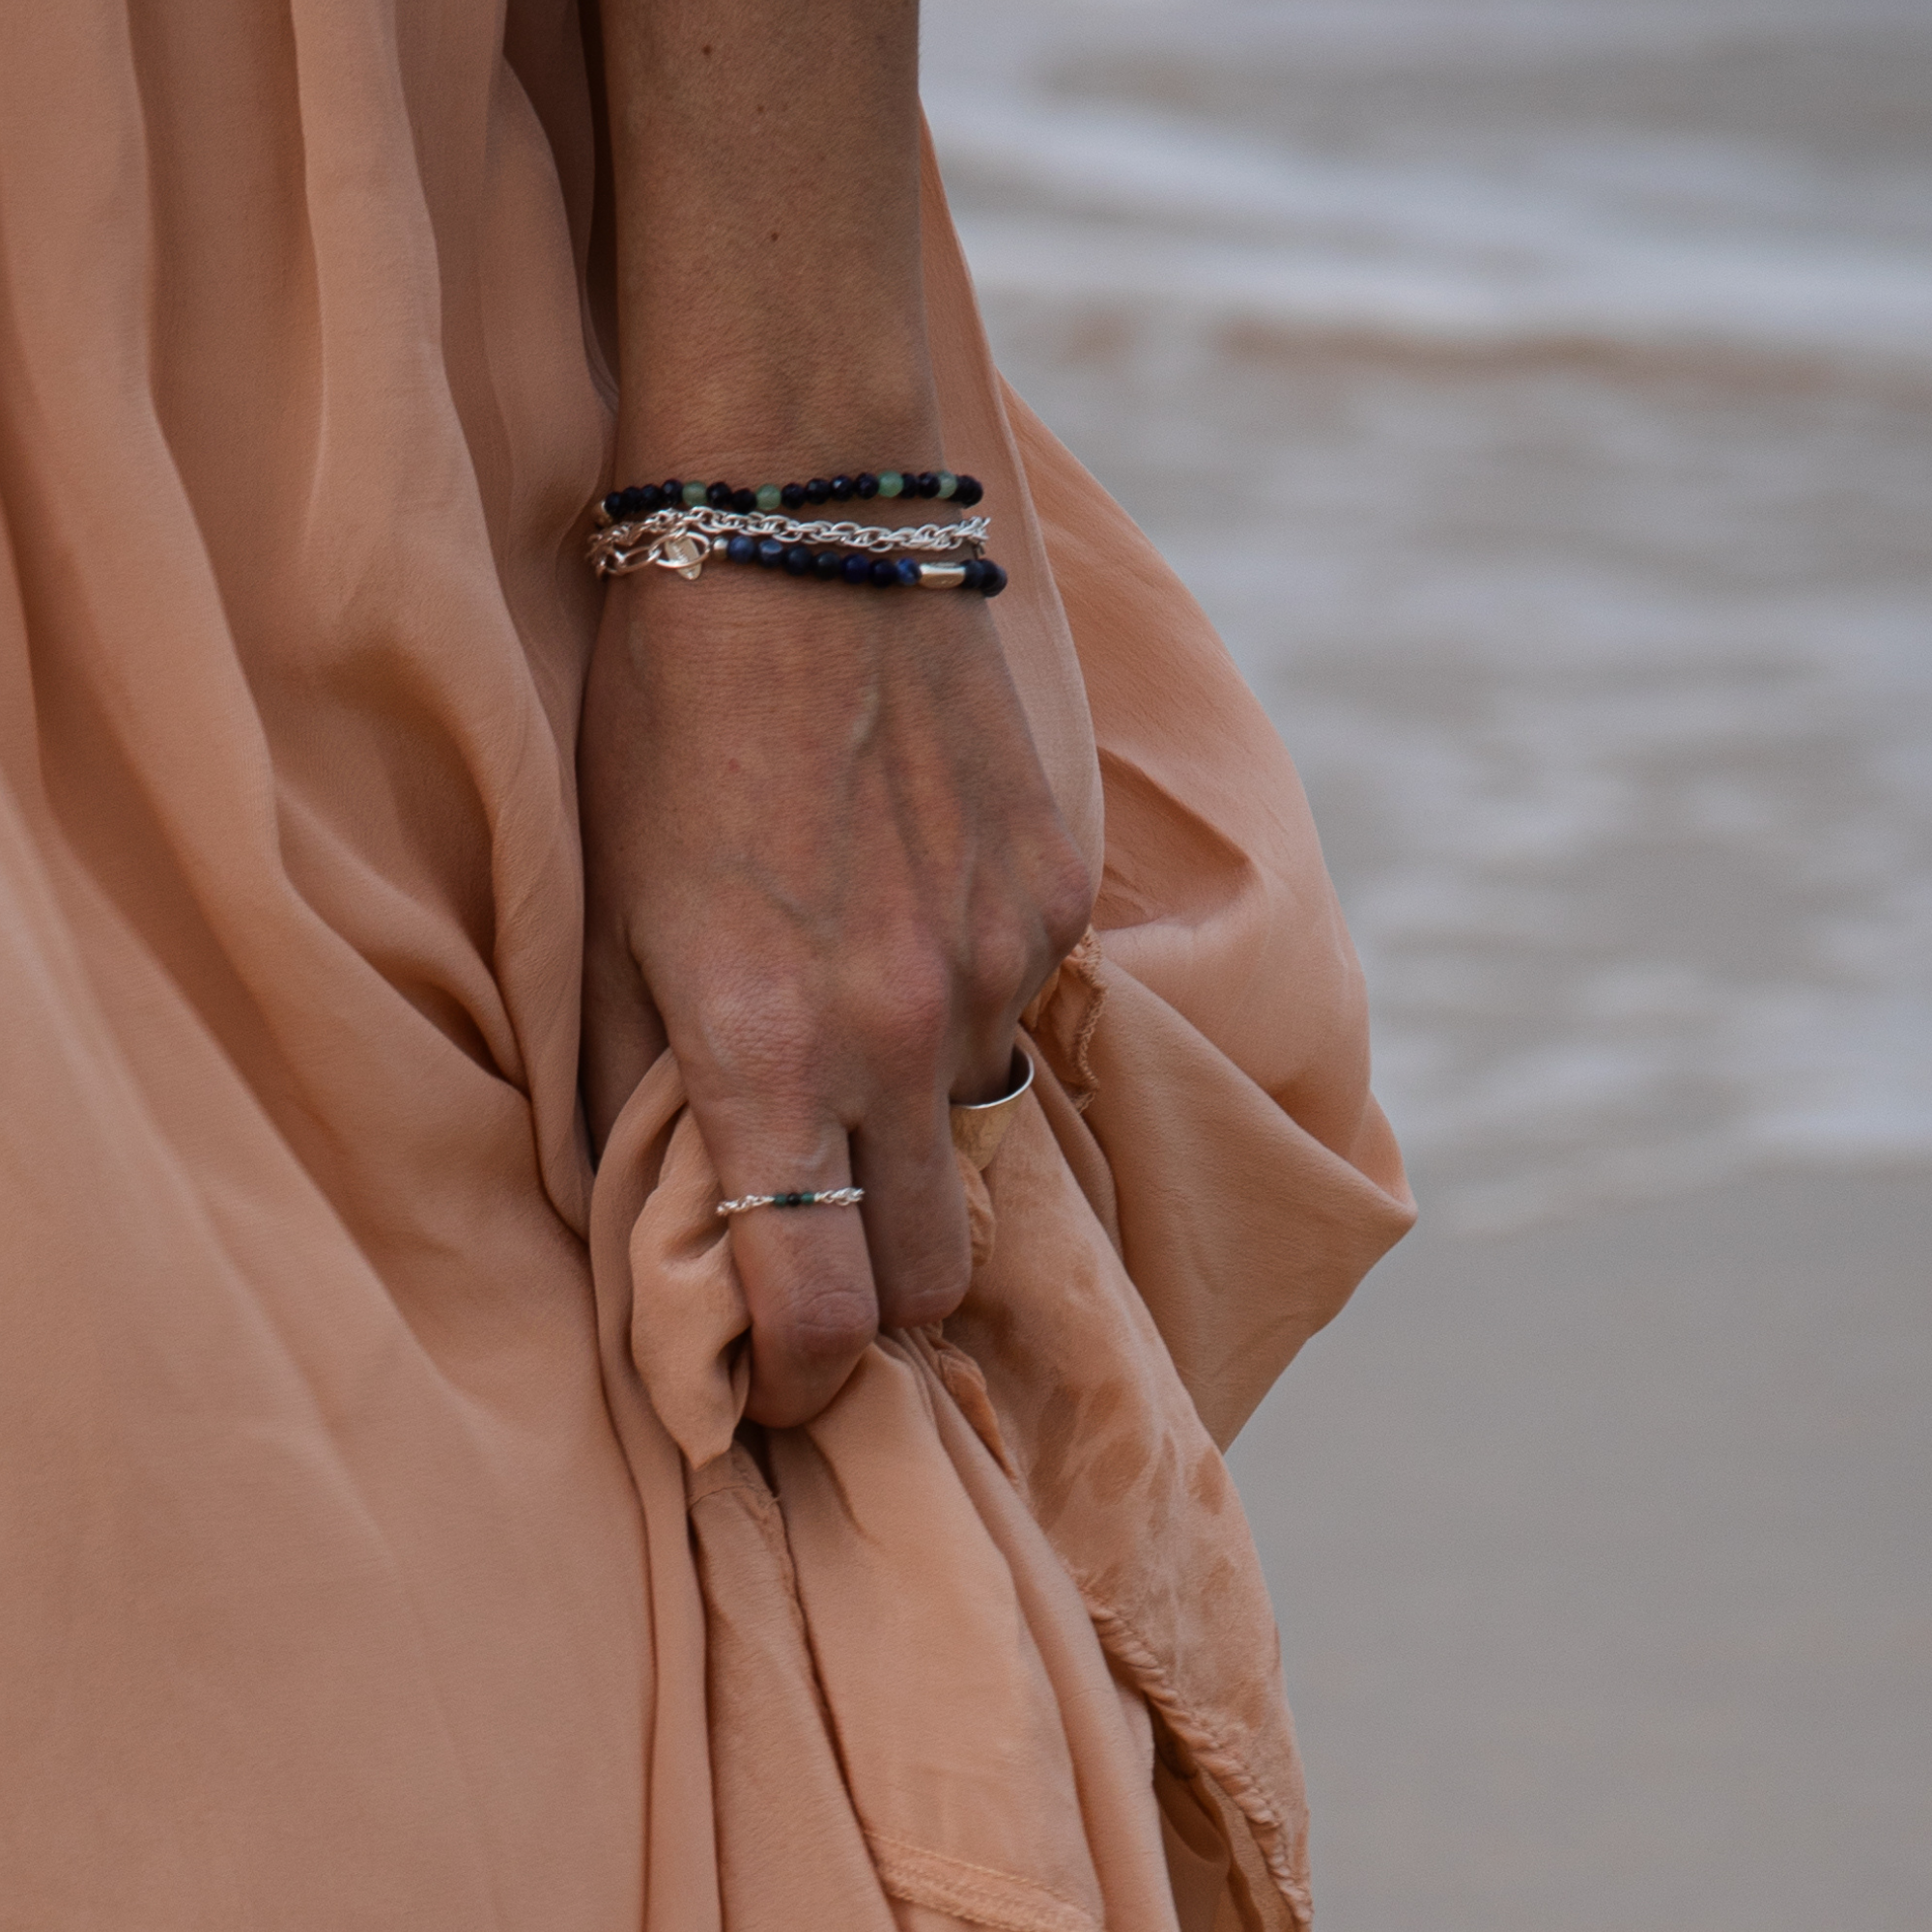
[[682, 552]]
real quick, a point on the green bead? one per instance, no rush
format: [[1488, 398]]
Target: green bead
[[768, 498], [693, 493], [891, 482], [948, 483]]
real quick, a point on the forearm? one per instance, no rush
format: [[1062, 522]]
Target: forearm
[[818, 845], [769, 292]]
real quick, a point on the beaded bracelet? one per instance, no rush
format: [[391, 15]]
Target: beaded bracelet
[[642, 501], [684, 540], [831, 566]]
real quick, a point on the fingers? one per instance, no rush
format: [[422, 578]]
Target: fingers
[[820, 1282], [806, 1275], [811, 1088], [808, 1284], [915, 1209]]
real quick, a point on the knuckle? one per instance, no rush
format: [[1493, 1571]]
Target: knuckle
[[1065, 898], [828, 1324], [929, 1291], [910, 1016], [915, 1309], [1001, 962], [761, 1035], [929, 1267]]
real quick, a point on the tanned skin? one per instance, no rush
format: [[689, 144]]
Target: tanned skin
[[821, 855]]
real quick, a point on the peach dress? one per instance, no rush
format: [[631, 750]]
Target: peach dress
[[375, 1548]]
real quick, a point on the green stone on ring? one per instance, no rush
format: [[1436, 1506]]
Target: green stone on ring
[[693, 493], [891, 482], [768, 498], [948, 483]]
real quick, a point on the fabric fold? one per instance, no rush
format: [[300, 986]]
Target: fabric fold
[[382, 1543]]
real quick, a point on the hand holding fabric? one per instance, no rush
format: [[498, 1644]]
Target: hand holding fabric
[[822, 859]]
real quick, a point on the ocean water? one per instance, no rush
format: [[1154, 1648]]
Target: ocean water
[[1539, 397]]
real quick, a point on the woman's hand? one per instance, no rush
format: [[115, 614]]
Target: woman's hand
[[816, 836], [819, 844]]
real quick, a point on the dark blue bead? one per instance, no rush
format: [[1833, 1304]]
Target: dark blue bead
[[792, 496], [613, 504], [829, 563], [744, 502], [719, 496], [798, 559], [975, 571], [969, 492], [908, 571], [817, 489], [865, 486], [839, 489], [857, 568], [885, 573], [771, 553], [927, 483], [994, 581], [742, 548], [673, 491], [651, 497]]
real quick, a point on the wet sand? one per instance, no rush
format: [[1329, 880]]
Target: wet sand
[[1601, 1561]]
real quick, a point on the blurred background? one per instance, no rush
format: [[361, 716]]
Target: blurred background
[[1539, 396]]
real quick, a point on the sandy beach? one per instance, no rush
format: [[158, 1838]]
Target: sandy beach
[[1599, 1553], [1539, 397]]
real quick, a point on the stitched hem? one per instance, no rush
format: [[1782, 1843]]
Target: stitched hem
[[1271, 1833], [975, 1893], [1068, 1049], [1085, 960]]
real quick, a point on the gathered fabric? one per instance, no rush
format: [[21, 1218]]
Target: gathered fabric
[[381, 1541]]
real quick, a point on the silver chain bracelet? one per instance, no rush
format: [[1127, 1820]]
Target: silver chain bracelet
[[682, 539]]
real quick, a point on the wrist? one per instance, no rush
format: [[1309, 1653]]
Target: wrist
[[737, 427]]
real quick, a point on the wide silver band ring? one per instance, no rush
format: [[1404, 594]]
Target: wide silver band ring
[[978, 1129]]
